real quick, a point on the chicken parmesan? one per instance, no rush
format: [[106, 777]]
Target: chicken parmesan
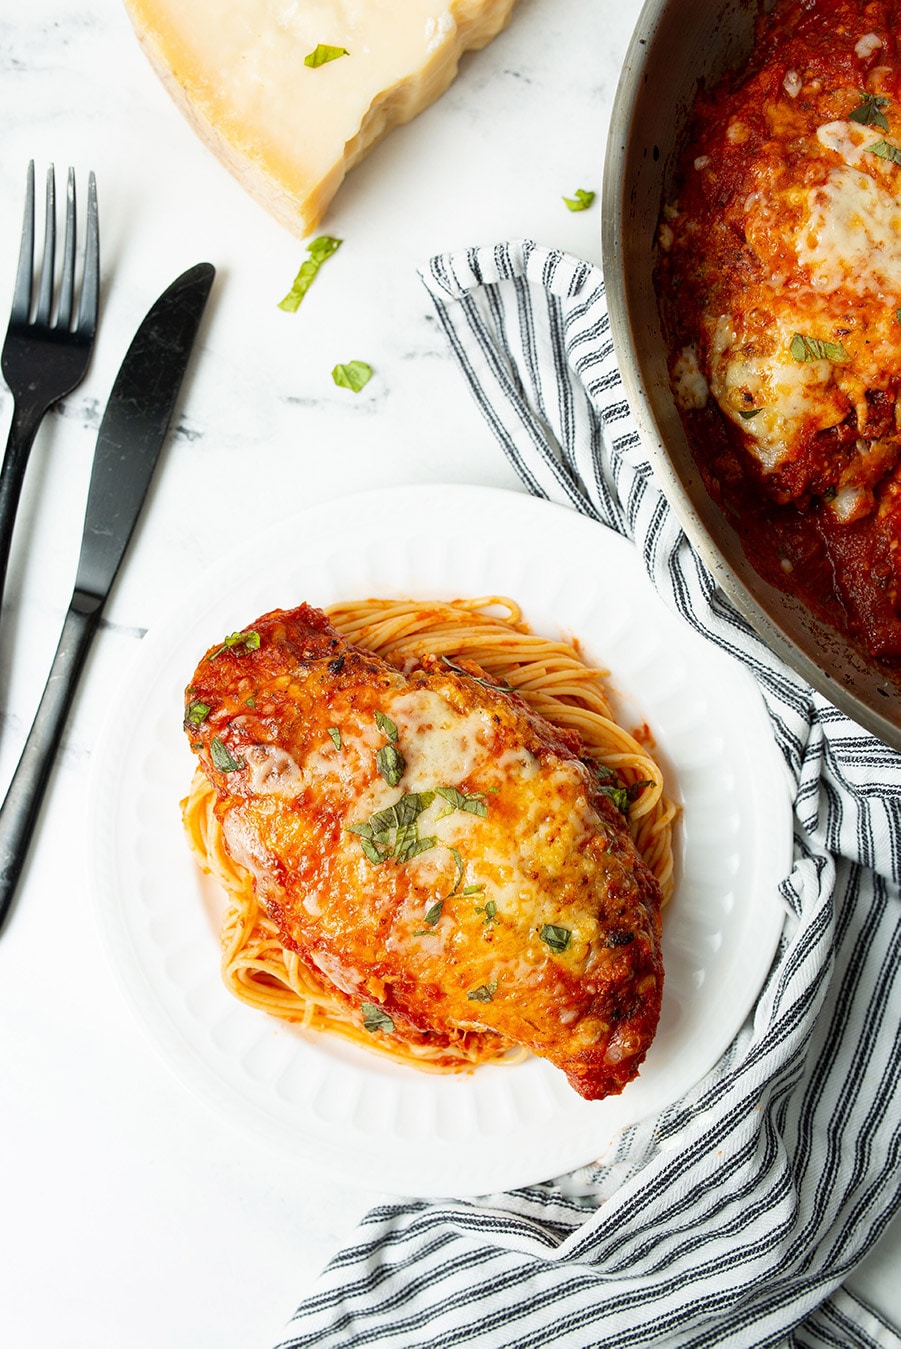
[[413, 849], [779, 277]]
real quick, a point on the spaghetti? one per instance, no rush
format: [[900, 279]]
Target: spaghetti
[[556, 683]]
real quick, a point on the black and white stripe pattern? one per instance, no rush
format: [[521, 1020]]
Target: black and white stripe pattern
[[732, 1218]]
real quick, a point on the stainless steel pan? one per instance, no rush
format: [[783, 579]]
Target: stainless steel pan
[[676, 44]]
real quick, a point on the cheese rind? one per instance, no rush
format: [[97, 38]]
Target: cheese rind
[[290, 132]]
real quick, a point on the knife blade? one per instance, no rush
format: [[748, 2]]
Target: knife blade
[[131, 435]]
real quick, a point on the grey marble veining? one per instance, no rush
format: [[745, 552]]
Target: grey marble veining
[[133, 1217]]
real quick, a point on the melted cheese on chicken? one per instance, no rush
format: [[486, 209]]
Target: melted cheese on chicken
[[432, 847]]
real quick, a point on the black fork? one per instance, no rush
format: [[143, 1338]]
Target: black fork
[[45, 354]]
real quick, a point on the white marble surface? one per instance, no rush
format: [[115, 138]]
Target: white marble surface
[[132, 1214]]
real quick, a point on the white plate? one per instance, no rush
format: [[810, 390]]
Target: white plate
[[373, 1123]]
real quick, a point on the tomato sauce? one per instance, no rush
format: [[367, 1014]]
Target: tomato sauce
[[776, 278]]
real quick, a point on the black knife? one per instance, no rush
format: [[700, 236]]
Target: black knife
[[129, 441]]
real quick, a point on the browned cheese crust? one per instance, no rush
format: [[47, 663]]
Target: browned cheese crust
[[431, 847]]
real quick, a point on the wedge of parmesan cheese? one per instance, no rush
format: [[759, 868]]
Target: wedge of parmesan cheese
[[290, 131]]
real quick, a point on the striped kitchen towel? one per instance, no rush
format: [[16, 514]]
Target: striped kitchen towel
[[732, 1218]]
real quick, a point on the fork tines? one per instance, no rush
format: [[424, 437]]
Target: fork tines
[[21, 312]]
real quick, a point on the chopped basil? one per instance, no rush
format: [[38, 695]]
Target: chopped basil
[[458, 862], [830, 493], [484, 993], [472, 890], [581, 201], [458, 800], [353, 375], [885, 150], [752, 412], [613, 788], [557, 938], [249, 640], [386, 726], [486, 683], [372, 850], [336, 736], [898, 315], [250, 702], [408, 844], [391, 764], [222, 757], [375, 1019], [619, 796], [433, 913], [322, 53], [869, 111], [196, 712], [375, 834], [814, 349], [489, 910], [319, 250], [405, 810]]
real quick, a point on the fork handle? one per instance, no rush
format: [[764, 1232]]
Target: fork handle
[[20, 809], [26, 420]]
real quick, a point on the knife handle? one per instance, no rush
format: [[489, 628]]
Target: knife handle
[[20, 809], [26, 420]]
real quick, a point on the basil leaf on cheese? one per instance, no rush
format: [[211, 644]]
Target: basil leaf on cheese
[[386, 726], [373, 851], [335, 735], [869, 111], [353, 375], [814, 349], [885, 150], [433, 913], [458, 863], [457, 800], [374, 1018], [484, 993], [405, 810], [557, 938], [407, 843], [322, 53], [222, 756], [399, 820], [319, 250], [391, 764], [196, 712]]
